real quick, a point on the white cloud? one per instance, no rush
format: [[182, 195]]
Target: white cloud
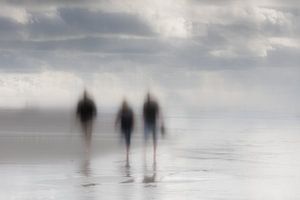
[[20, 15], [191, 52], [224, 53], [168, 18], [286, 42]]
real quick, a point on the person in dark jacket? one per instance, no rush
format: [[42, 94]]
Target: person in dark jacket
[[125, 119], [150, 115], [86, 113]]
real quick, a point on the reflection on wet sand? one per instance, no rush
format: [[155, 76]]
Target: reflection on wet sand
[[149, 175], [85, 167], [127, 174], [87, 183], [204, 161]]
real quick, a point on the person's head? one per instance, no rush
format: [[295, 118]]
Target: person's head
[[124, 104], [148, 96], [84, 94]]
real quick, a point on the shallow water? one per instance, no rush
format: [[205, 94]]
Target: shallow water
[[217, 156]]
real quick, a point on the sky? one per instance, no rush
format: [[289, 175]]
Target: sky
[[193, 55]]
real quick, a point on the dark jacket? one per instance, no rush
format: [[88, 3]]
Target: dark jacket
[[150, 112], [86, 110]]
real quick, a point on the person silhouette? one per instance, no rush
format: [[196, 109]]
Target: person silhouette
[[86, 113], [125, 119], [150, 116]]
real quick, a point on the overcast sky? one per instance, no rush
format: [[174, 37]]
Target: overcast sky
[[194, 55]]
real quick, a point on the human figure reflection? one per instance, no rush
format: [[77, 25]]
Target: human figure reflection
[[87, 184], [85, 167], [149, 175], [127, 171], [127, 174]]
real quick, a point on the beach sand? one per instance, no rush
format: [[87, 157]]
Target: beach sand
[[215, 156]]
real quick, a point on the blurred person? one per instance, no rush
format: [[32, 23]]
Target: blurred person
[[86, 113], [125, 119], [151, 114]]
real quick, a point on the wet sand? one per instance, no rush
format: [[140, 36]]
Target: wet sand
[[212, 157]]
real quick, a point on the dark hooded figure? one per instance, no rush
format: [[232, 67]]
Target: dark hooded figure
[[151, 114], [86, 113], [125, 119]]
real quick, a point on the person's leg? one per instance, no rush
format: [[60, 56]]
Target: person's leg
[[84, 133], [154, 143], [127, 134], [146, 132], [87, 131], [146, 135]]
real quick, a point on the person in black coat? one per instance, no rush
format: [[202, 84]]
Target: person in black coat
[[86, 113], [125, 119], [151, 114]]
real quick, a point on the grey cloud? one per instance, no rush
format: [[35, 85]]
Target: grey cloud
[[283, 57], [8, 25], [75, 22], [18, 62], [47, 3], [51, 40], [213, 2], [10, 29], [247, 39], [98, 21], [287, 3], [86, 54], [42, 27], [90, 53], [274, 3], [107, 45]]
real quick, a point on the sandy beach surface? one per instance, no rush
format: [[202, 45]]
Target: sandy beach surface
[[211, 156]]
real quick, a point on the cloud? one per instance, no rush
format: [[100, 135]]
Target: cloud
[[17, 14], [243, 31], [98, 21], [63, 23], [89, 44], [193, 51], [48, 3], [10, 29], [74, 22]]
